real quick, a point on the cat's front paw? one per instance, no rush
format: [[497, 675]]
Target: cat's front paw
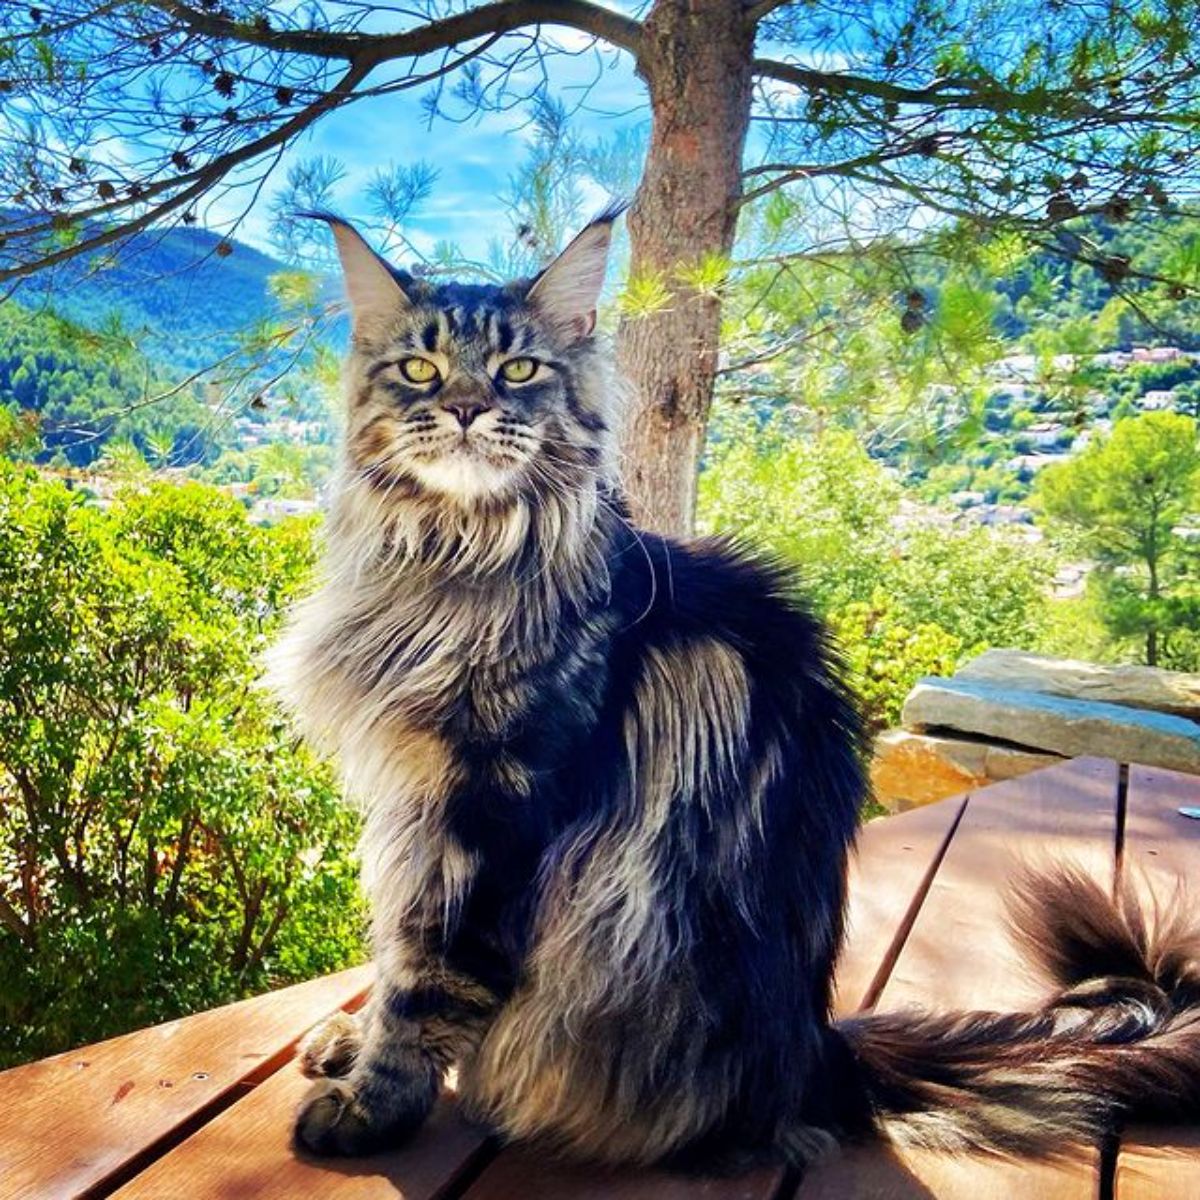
[[331, 1048], [332, 1120], [378, 1108]]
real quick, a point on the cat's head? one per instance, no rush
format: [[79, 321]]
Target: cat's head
[[473, 394]]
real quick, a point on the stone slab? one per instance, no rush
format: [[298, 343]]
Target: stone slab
[[911, 769], [1138, 687], [1053, 723]]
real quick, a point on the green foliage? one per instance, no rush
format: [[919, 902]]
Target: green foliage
[[819, 502], [1129, 498], [1075, 629], [163, 835], [276, 469], [886, 653], [644, 295], [184, 305], [905, 599], [981, 587], [19, 438], [1055, 303], [84, 387]]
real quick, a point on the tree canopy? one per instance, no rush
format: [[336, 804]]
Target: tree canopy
[[894, 129], [1130, 496]]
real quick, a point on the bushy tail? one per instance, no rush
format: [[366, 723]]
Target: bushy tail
[[1120, 1040]]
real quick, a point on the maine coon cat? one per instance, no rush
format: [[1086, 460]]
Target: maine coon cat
[[610, 783]]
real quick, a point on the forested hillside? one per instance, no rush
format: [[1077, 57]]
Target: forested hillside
[[184, 296], [84, 392], [163, 346], [1095, 268]]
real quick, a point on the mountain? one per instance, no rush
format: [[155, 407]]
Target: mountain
[[82, 345], [184, 303]]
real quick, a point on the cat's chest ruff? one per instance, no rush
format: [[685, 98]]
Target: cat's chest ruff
[[440, 658]]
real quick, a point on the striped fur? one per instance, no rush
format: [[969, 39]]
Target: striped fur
[[610, 781]]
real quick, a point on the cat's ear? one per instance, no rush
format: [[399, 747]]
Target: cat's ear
[[567, 291], [374, 292]]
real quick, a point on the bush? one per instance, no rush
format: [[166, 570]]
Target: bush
[[820, 503], [903, 599], [163, 836], [885, 655], [980, 586]]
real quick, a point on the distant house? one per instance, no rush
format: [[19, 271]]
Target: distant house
[[1157, 401], [1002, 514], [1046, 434], [911, 515], [1097, 429], [1018, 393], [967, 499], [1156, 354], [1023, 367], [1070, 581], [273, 508], [288, 429], [1031, 464]]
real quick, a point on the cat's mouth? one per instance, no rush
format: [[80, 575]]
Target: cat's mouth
[[469, 465]]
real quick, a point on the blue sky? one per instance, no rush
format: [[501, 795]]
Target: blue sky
[[473, 159]]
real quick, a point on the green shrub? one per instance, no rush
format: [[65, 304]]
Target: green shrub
[[903, 599], [885, 655], [165, 844]]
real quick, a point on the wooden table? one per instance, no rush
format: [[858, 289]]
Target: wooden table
[[201, 1107]]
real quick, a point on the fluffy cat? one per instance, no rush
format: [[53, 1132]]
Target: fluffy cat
[[611, 781]]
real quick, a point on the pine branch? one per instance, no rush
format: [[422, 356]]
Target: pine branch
[[211, 174], [755, 12], [499, 17]]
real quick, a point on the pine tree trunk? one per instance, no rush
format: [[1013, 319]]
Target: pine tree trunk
[[697, 66], [1153, 595]]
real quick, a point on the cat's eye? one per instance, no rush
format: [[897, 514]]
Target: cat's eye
[[418, 370], [519, 370]]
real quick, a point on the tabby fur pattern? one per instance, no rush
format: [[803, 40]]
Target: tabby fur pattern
[[610, 783]]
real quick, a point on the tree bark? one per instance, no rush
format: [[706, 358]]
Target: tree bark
[[1153, 594], [696, 58]]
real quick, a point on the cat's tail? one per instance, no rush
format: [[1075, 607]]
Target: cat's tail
[[1119, 1041]]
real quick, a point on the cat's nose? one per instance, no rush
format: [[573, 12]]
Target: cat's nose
[[465, 411]]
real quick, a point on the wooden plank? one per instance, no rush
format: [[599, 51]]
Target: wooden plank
[[889, 874], [72, 1122], [1161, 846], [891, 1173], [522, 1175], [1158, 1164], [246, 1151], [958, 956]]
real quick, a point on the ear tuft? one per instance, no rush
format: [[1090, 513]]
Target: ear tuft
[[567, 291], [375, 293]]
